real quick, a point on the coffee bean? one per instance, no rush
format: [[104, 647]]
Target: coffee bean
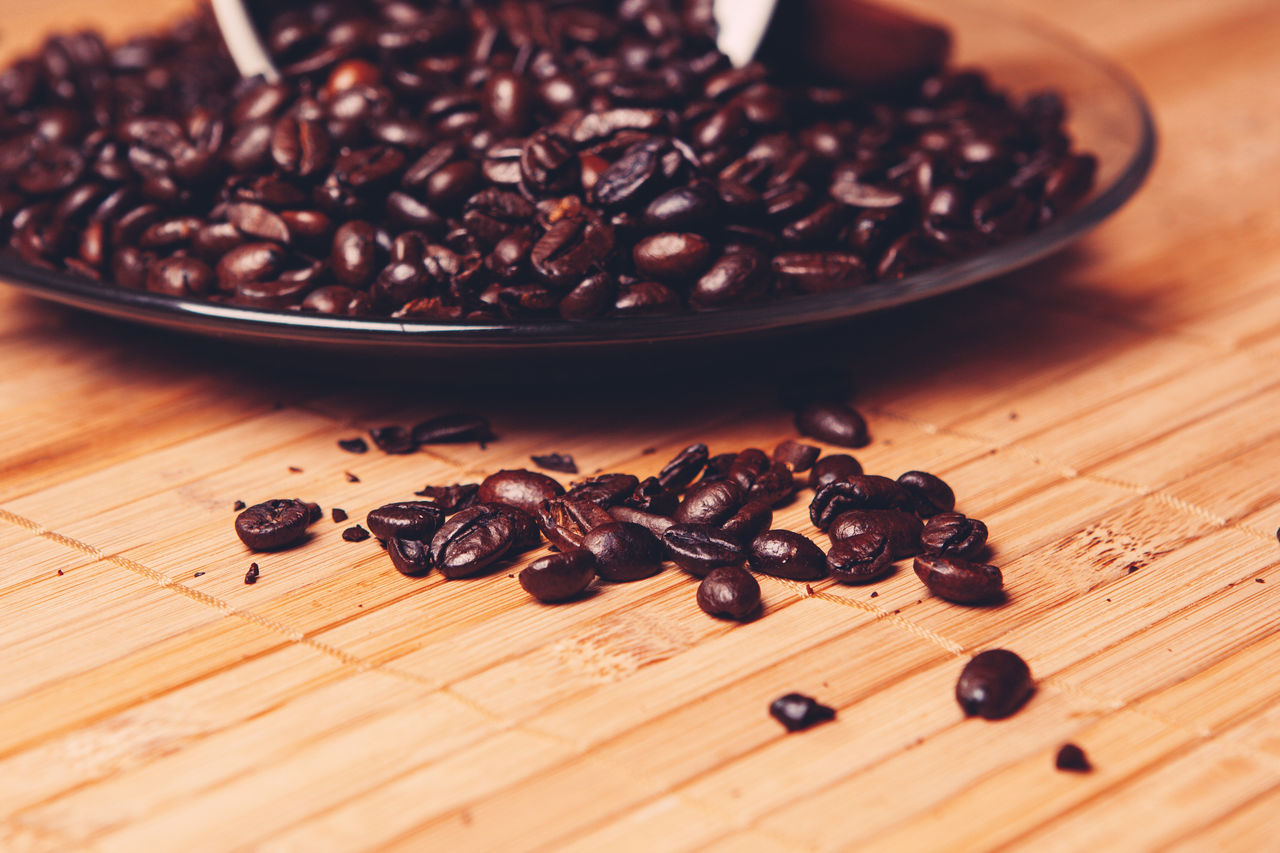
[[833, 423], [522, 489], [833, 468], [746, 524], [561, 462], [273, 525], [559, 577], [950, 534], [571, 248], [406, 520], [566, 521], [798, 712], [508, 103], [339, 515], [710, 503], [859, 491], [685, 468], [472, 541], [651, 521], [624, 551], [393, 439], [355, 534], [451, 499], [729, 592], [787, 554], [929, 494], [799, 457], [736, 277], [353, 445], [1072, 758], [180, 277], [959, 580], [453, 429], [410, 557], [899, 529], [699, 548], [672, 257], [683, 209], [605, 490], [994, 684], [860, 558]]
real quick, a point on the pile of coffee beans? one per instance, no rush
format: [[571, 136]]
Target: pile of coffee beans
[[461, 161]]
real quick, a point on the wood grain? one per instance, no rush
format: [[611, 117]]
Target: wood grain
[[1112, 413]]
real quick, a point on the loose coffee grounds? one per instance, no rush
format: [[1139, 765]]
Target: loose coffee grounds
[[456, 164], [1072, 758]]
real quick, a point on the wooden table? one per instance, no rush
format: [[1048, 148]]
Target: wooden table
[[1113, 414]]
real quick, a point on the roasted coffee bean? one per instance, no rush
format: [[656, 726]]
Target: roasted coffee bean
[[799, 457], [929, 494], [787, 554], [699, 548], [406, 520], [354, 255], [718, 467], [651, 521], [338, 515], [833, 423], [730, 592], [798, 712], [624, 551], [735, 278], [672, 257], [508, 103], [559, 577], [453, 429], [180, 276], [819, 272], [520, 488], [950, 534], [605, 490], [273, 525], [571, 248], [683, 209], [526, 535], [746, 524], [710, 503], [994, 684], [472, 541], [565, 521], [393, 439], [833, 468], [410, 557], [677, 474], [860, 558], [561, 462], [355, 534], [251, 262], [747, 467], [959, 580], [451, 499], [1072, 758], [859, 491], [900, 529]]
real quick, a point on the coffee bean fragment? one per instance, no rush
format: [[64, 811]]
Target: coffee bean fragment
[[798, 712], [787, 554], [453, 429], [799, 457], [353, 445], [729, 592], [951, 534], [393, 439], [559, 577], [251, 576], [405, 520], [624, 551], [273, 525], [1072, 758], [834, 423], [929, 494], [561, 462], [355, 534], [861, 558], [960, 580], [350, 477], [994, 684], [238, 505], [339, 515]]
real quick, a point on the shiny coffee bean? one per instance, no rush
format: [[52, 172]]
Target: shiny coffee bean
[[900, 529], [833, 423], [405, 520], [410, 557], [472, 541], [746, 524], [559, 577], [859, 491], [651, 521], [451, 499], [672, 257], [861, 558], [273, 525], [699, 548], [520, 488], [730, 592], [710, 503], [453, 429], [994, 684], [929, 494], [787, 554], [798, 457], [830, 469], [1072, 758], [677, 474], [605, 490], [565, 521], [959, 580], [624, 551], [950, 534], [393, 439], [798, 712]]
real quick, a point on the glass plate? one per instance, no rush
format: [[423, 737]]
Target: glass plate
[[1108, 116]]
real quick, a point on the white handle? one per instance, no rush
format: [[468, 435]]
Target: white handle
[[742, 25], [242, 40]]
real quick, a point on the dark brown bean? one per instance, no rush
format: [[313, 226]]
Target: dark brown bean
[[1072, 759], [798, 712], [624, 551], [565, 521], [405, 520], [746, 524], [787, 554], [559, 577], [959, 580], [859, 491], [799, 457], [729, 592], [520, 488], [699, 548], [994, 684], [833, 423], [951, 534], [929, 494], [900, 529], [684, 468], [710, 503], [458, 428], [410, 557], [472, 541], [832, 468], [273, 525], [859, 559]]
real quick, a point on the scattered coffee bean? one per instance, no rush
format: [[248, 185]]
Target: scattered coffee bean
[[712, 502], [251, 576], [799, 456], [700, 548], [929, 495], [861, 491], [787, 554], [520, 488], [798, 712], [354, 445], [951, 534], [450, 499], [729, 592], [1072, 758], [859, 559], [834, 423], [453, 429], [273, 525], [624, 551], [900, 530], [559, 577], [677, 474], [355, 534], [606, 490], [393, 439], [959, 580], [472, 541], [561, 462], [405, 520], [746, 524], [994, 684], [410, 557], [339, 515], [654, 523], [830, 469], [565, 521]]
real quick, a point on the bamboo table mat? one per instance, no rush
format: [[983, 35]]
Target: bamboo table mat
[[1113, 414]]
